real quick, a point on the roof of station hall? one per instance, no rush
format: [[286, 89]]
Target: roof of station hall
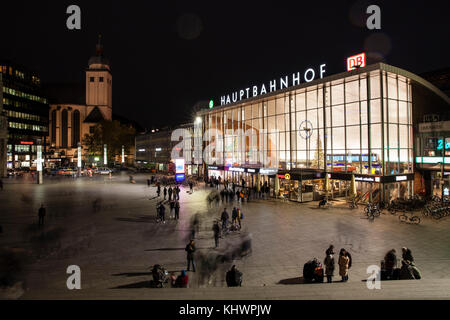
[[377, 66]]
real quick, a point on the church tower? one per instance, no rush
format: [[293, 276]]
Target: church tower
[[99, 84]]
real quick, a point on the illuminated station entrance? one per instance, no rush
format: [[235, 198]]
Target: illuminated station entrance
[[324, 136]]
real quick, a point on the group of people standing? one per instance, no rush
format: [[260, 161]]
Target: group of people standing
[[171, 192], [174, 207], [344, 262], [231, 192]]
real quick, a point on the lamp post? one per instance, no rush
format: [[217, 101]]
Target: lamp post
[[39, 161]]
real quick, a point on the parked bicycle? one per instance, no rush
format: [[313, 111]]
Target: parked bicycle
[[413, 219], [372, 211]]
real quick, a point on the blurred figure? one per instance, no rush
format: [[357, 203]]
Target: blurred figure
[[97, 204], [224, 218], [330, 250], [177, 210], [165, 192], [170, 193], [216, 230], [41, 215], [158, 190]]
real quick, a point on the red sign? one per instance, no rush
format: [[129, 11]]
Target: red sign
[[26, 142], [358, 61], [281, 176]]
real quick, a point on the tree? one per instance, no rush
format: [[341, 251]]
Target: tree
[[114, 135]]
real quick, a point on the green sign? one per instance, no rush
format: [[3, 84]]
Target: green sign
[[211, 104]]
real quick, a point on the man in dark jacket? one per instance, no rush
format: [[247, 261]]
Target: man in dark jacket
[[190, 249], [165, 193], [170, 193], [162, 213], [41, 214], [224, 218]]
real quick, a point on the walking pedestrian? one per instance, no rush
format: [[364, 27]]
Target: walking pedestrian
[[190, 249], [165, 192], [163, 213], [177, 210], [343, 265], [234, 215], [216, 230], [158, 190], [191, 186], [41, 215], [329, 267], [148, 182], [172, 207], [178, 192], [224, 218], [170, 193], [240, 216]]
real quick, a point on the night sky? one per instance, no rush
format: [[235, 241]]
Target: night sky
[[168, 55]]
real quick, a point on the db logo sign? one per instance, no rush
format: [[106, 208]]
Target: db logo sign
[[358, 61]]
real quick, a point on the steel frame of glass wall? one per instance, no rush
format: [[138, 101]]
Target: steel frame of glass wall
[[340, 123]]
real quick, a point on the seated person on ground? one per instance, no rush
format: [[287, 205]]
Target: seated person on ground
[[182, 280], [234, 277]]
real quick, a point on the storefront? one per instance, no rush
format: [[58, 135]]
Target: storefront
[[358, 123]]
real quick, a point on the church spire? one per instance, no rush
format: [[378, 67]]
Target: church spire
[[99, 46]]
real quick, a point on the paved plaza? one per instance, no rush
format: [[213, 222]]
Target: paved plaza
[[116, 245]]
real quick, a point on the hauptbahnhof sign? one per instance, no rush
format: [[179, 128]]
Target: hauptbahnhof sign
[[274, 85]]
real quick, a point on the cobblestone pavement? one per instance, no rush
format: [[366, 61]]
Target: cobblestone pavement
[[116, 245]]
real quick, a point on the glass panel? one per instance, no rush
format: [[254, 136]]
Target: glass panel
[[363, 112], [353, 136], [328, 117], [248, 112], [337, 94], [363, 89], [311, 115], [402, 90], [403, 112], [301, 142], [280, 105], [375, 111], [338, 138], [300, 102], [280, 123], [351, 91], [271, 107], [375, 135], [352, 114], [271, 124], [374, 86], [392, 87], [338, 115], [301, 116], [393, 136], [311, 99], [404, 136], [364, 137], [393, 112]]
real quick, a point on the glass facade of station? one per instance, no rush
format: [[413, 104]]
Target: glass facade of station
[[359, 123]]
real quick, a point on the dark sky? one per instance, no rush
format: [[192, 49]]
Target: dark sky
[[168, 55]]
